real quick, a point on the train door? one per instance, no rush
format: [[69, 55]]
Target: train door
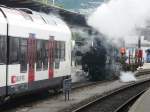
[[3, 55], [3, 46], [31, 57], [51, 49]]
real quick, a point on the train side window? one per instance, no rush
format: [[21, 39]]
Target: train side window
[[23, 55], [45, 55], [13, 50], [62, 50], [39, 55], [57, 51], [3, 47], [57, 54], [57, 63]]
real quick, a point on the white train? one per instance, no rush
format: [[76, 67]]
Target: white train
[[35, 51]]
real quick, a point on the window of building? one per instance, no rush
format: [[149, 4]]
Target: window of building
[[3, 47]]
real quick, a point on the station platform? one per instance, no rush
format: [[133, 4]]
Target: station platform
[[146, 66], [144, 69], [142, 104]]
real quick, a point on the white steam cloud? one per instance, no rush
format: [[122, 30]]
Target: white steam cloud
[[127, 77], [120, 18]]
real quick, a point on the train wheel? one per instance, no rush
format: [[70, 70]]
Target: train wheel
[[2, 100], [56, 90]]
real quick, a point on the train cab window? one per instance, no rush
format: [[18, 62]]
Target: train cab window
[[3, 50], [45, 55], [23, 55], [14, 50], [39, 55]]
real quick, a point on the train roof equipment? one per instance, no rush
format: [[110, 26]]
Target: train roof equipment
[[70, 17], [41, 24]]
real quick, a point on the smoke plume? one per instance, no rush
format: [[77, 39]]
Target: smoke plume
[[120, 18], [127, 77]]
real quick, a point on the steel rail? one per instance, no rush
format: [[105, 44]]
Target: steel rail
[[110, 94], [124, 107]]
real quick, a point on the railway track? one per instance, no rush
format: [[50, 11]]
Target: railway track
[[125, 106], [142, 72], [116, 101], [29, 100]]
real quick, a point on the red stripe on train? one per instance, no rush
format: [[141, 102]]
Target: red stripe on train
[[31, 76], [50, 73]]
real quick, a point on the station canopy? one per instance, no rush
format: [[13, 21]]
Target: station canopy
[[70, 17]]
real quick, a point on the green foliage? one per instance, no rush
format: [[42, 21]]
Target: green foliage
[[49, 2], [59, 5]]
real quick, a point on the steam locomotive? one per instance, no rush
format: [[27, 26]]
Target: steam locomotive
[[100, 62], [105, 61], [35, 51]]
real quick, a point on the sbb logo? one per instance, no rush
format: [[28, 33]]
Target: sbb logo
[[13, 79]]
